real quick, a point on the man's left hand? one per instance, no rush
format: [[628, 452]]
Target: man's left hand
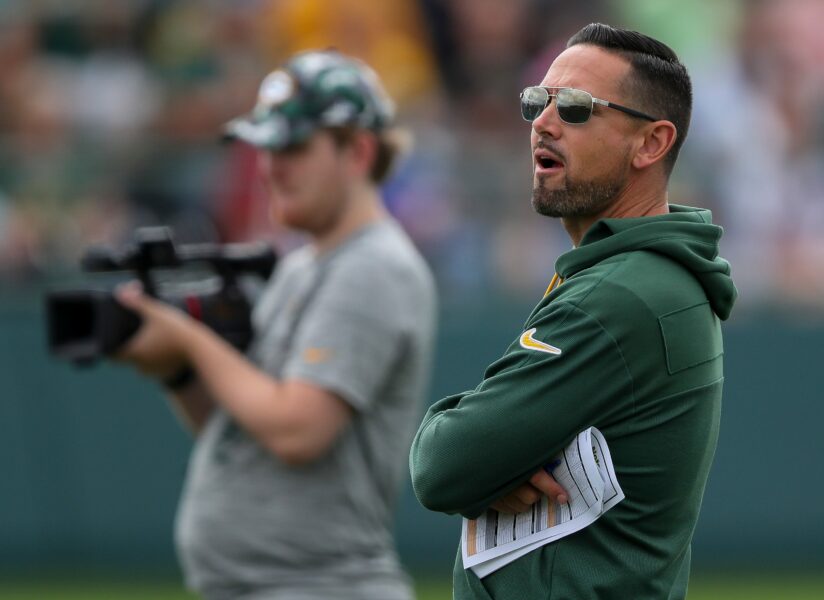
[[539, 485], [158, 348]]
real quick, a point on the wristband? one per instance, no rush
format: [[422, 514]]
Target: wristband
[[182, 378]]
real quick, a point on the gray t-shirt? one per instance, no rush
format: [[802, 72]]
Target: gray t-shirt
[[358, 321]]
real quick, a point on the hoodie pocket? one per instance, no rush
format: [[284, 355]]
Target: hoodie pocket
[[692, 336]]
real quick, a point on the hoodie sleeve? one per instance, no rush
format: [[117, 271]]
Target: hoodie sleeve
[[563, 374]]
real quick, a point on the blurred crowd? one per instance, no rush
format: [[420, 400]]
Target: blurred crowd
[[110, 115]]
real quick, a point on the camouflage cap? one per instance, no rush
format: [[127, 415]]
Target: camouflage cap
[[313, 90]]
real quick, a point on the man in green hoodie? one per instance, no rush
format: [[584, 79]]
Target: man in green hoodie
[[626, 339]]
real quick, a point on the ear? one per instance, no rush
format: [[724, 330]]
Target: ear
[[363, 151], [657, 141]]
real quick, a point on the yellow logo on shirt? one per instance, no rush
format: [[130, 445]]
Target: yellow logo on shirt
[[316, 355], [530, 343]]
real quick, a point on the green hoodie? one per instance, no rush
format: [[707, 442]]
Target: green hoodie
[[636, 321]]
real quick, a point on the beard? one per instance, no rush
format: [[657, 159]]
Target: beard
[[577, 198]]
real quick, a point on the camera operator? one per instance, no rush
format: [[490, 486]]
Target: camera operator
[[302, 443]]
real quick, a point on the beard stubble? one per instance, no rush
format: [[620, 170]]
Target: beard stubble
[[578, 198]]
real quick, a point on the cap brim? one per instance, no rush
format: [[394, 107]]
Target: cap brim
[[272, 133]]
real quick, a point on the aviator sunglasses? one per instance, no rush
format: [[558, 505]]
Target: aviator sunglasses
[[573, 106]]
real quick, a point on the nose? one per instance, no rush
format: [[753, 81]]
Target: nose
[[548, 123]]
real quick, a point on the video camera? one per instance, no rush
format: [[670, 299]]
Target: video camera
[[85, 325]]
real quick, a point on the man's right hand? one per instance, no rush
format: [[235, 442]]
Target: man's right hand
[[539, 485]]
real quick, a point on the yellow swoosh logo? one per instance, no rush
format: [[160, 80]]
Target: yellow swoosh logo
[[530, 343]]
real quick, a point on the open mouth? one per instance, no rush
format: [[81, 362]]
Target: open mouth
[[547, 162]]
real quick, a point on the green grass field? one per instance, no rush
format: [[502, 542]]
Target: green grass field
[[741, 586]]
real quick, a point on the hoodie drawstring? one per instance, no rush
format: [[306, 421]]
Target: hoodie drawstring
[[556, 281]]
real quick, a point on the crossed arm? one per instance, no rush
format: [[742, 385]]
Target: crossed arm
[[487, 447]]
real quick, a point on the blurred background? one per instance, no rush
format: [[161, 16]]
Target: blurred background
[[109, 120]]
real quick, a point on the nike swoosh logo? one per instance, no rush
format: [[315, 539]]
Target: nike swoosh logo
[[530, 343]]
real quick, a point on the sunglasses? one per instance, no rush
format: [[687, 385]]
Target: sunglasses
[[573, 106]]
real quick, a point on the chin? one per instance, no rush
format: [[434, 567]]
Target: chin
[[293, 221], [284, 217]]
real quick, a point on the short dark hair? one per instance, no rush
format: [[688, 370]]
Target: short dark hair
[[658, 81]]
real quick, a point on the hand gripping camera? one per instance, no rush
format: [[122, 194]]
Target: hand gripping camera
[[88, 324]]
